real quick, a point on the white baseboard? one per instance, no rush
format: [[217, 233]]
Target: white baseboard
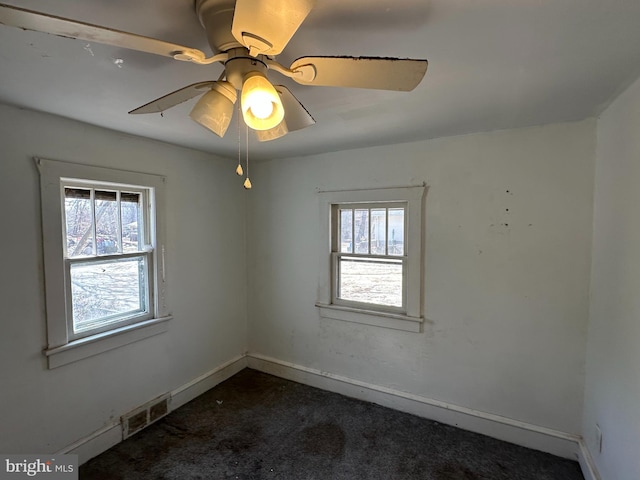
[[587, 464], [198, 386], [559, 443], [514, 431], [110, 435], [94, 444]]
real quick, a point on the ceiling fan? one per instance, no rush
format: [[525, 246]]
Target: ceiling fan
[[245, 36]]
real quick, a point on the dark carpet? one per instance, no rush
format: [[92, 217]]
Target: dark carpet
[[257, 426]]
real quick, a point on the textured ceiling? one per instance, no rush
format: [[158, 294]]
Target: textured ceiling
[[492, 65]]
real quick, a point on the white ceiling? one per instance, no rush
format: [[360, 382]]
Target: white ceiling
[[493, 64]]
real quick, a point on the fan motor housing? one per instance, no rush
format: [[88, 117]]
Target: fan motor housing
[[240, 63], [216, 16]]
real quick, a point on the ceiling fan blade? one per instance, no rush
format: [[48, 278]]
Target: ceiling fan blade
[[360, 72], [174, 98], [42, 22], [296, 117], [266, 27]]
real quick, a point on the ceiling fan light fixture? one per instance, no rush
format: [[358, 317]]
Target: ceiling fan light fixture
[[215, 109], [261, 105], [260, 30], [278, 131]]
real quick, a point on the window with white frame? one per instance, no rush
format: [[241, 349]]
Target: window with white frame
[[368, 260], [371, 266], [108, 255], [104, 258]]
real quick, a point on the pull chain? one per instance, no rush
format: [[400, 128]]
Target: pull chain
[[239, 171], [247, 182]]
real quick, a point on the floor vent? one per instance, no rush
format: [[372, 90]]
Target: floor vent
[[144, 416]]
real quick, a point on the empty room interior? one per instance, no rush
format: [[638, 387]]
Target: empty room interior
[[437, 214]]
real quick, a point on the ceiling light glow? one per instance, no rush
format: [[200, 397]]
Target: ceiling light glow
[[261, 105]]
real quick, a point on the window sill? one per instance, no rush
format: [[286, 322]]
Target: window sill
[[102, 342], [369, 317]]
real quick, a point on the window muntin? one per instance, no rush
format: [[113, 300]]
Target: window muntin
[[368, 256], [108, 256]]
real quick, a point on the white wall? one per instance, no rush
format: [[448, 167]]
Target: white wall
[[612, 394], [506, 294], [45, 410]]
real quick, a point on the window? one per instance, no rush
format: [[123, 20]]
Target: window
[[108, 253], [368, 256], [371, 266], [104, 258]]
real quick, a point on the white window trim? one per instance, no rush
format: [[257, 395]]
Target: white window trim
[[62, 350], [412, 319]]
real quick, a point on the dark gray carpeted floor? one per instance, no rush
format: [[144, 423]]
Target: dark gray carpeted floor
[[256, 426]]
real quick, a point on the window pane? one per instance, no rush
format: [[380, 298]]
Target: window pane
[[346, 230], [361, 230], [396, 231], [370, 280], [78, 216], [131, 235], [107, 220], [378, 230], [106, 292]]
